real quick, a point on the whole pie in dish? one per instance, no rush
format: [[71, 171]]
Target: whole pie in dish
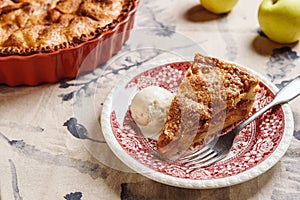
[[49, 39], [43, 26], [213, 95]]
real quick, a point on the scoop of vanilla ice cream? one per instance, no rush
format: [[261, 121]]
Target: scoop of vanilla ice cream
[[149, 108]]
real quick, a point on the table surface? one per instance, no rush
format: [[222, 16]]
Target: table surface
[[42, 155]]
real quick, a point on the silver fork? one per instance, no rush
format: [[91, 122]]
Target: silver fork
[[220, 146]]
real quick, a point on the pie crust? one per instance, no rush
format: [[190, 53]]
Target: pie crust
[[38, 26], [213, 95]]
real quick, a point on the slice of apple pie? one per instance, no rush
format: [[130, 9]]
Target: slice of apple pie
[[213, 95]]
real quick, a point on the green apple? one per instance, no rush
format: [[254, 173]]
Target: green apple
[[218, 6], [280, 20]]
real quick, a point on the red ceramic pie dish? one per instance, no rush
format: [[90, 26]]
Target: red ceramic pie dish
[[69, 62]]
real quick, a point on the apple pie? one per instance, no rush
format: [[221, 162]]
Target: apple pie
[[37, 26], [213, 95]]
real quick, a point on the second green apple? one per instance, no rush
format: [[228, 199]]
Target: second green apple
[[218, 6], [280, 20]]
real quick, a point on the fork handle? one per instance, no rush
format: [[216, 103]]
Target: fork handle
[[286, 94]]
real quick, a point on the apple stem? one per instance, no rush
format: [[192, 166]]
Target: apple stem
[[275, 1]]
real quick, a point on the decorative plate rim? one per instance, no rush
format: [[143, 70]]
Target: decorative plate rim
[[249, 174]]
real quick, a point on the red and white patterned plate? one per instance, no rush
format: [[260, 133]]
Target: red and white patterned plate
[[256, 149]]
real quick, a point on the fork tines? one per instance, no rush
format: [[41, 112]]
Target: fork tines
[[201, 158]]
